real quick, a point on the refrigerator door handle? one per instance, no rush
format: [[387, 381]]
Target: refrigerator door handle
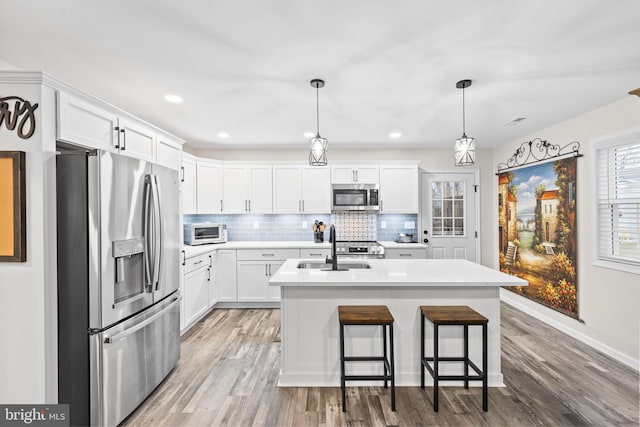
[[127, 332], [157, 233], [147, 232]]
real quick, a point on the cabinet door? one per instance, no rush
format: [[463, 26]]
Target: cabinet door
[[287, 187], [168, 152], [86, 124], [188, 185], [316, 190], [235, 184], [399, 189], [253, 277], [208, 188], [343, 175], [196, 294], [136, 140], [213, 279], [273, 291], [260, 189], [367, 174], [227, 289]]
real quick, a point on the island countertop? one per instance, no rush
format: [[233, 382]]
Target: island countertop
[[396, 272]]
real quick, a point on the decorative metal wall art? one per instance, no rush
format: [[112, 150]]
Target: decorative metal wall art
[[13, 233], [19, 115], [539, 150]]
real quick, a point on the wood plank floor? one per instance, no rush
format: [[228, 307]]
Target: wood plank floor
[[228, 372]]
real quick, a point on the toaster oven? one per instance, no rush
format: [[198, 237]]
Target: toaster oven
[[205, 233]]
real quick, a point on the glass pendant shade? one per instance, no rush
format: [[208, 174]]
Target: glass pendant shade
[[464, 152], [318, 151]]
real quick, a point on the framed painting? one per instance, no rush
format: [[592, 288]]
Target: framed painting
[[537, 232], [13, 233]]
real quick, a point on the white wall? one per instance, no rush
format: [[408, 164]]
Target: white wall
[[28, 361], [608, 300]]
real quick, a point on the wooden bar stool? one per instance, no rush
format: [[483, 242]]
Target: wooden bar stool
[[460, 316], [370, 315]]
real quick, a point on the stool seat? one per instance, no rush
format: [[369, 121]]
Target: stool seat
[[453, 315], [364, 314], [368, 315]]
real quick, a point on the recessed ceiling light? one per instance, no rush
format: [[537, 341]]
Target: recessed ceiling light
[[223, 135], [395, 135], [176, 99], [309, 134], [515, 121]]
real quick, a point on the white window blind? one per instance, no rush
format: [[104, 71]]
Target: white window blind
[[618, 199]]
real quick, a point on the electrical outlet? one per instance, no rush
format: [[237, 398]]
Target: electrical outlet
[[383, 224], [409, 225], [256, 224], [305, 224]]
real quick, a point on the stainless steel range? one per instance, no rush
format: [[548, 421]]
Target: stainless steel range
[[359, 249]]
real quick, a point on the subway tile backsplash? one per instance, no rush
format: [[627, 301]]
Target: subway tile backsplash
[[297, 227]]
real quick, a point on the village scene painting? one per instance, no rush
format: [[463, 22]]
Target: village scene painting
[[537, 237]]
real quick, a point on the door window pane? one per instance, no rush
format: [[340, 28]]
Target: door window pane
[[447, 208]]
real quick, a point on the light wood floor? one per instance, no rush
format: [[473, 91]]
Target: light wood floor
[[228, 372]]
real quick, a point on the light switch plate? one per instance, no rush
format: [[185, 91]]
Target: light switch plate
[[383, 224], [256, 224], [305, 224], [409, 225]]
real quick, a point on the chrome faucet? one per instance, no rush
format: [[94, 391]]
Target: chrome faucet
[[334, 256]]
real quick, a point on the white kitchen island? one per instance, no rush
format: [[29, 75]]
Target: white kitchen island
[[310, 329]]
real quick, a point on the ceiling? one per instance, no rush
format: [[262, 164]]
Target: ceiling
[[243, 67]]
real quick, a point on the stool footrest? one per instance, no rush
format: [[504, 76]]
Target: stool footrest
[[451, 359], [367, 378], [364, 359]]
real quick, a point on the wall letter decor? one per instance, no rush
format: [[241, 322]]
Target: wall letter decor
[[21, 116]]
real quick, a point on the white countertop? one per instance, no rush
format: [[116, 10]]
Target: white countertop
[[397, 272], [191, 251]]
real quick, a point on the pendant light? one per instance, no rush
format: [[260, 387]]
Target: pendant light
[[464, 151], [317, 144]]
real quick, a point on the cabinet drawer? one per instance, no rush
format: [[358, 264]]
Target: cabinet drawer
[[196, 262], [267, 254], [420, 253], [320, 253]]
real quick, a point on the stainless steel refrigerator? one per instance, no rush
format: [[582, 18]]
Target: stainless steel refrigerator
[[118, 242]]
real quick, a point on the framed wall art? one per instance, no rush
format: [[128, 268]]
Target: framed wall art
[[13, 233]]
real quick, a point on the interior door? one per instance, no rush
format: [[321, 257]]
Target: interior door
[[449, 214]]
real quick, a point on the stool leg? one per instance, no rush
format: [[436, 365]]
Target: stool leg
[[466, 356], [393, 370], [435, 367], [342, 373], [485, 389], [384, 352], [422, 368]]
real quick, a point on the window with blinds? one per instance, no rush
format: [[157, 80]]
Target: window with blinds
[[618, 200]]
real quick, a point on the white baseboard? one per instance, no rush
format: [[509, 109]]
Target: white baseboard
[[609, 351]]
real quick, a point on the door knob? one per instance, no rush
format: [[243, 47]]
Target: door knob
[[426, 240], [426, 232]]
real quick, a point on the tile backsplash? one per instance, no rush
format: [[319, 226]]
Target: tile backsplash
[[297, 227]]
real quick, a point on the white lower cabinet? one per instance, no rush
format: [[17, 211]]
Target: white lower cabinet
[[197, 283], [227, 288], [398, 253], [255, 268], [320, 253]]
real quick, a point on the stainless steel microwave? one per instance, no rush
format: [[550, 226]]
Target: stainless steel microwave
[[204, 233], [355, 197]]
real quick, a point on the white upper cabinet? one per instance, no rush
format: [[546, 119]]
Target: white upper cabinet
[[316, 189], [298, 188], [136, 140], [95, 125], [208, 185], [84, 123], [247, 189], [399, 189], [354, 174], [189, 183]]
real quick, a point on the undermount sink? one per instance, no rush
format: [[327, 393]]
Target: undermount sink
[[325, 266]]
